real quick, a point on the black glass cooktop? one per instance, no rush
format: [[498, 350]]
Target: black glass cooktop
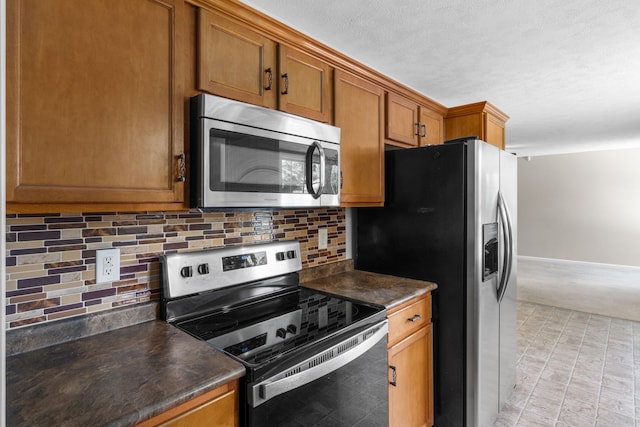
[[263, 330]]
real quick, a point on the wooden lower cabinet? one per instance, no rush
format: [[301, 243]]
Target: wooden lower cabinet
[[216, 408], [411, 365]]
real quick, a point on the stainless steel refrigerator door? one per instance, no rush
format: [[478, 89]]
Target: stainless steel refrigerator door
[[483, 313], [508, 305]]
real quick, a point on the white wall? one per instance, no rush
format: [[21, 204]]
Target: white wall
[[582, 207]]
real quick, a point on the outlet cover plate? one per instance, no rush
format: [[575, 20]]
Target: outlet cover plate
[[107, 265], [322, 238]]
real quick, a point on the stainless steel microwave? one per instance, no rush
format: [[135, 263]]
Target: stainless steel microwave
[[243, 155]]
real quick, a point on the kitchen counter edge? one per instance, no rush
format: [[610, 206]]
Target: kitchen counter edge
[[135, 372], [375, 288]]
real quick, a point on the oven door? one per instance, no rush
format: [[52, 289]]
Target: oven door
[[345, 383], [243, 166]]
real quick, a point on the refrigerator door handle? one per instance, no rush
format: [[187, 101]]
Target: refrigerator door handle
[[507, 232]]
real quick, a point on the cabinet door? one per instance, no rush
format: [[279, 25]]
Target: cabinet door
[[215, 408], [411, 398], [235, 62], [402, 120], [431, 127], [305, 85], [219, 412], [94, 101], [359, 113]]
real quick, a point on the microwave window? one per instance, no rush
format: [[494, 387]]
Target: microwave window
[[247, 163]]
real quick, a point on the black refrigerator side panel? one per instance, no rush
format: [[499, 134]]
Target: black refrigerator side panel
[[420, 234]]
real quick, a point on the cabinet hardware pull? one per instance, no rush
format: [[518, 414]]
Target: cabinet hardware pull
[[182, 168], [414, 318], [269, 72], [417, 128], [424, 130], [285, 76], [394, 376]]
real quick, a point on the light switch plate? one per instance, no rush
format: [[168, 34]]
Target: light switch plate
[[322, 238], [107, 265]]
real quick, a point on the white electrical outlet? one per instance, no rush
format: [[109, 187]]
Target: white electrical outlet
[[322, 238], [107, 265]]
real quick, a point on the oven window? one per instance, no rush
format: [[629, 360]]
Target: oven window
[[248, 163]]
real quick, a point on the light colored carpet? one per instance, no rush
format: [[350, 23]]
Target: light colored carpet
[[607, 290]]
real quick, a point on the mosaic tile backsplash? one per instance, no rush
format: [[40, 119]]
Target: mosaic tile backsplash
[[51, 258]]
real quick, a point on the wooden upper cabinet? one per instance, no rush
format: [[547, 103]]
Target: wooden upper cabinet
[[431, 127], [359, 113], [402, 120], [94, 103], [480, 119], [236, 62], [411, 124], [305, 84]]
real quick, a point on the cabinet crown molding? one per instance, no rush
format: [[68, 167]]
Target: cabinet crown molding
[[477, 107]]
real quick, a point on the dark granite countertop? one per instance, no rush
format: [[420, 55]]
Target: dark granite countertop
[[116, 378], [389, 291]]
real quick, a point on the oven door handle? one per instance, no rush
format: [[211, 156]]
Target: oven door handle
[[318, 366]]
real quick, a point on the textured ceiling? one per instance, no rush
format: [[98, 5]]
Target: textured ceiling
[[567, 72]]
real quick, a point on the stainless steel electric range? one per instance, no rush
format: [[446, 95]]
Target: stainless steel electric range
[[312, 358]]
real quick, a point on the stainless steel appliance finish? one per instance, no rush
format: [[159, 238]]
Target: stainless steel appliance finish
[[450, 215], [243, 155], [311, 357]]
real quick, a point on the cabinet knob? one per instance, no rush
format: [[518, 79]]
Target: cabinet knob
[[423, 128], [394, 376], [285, 78], [417, 129], [269, 73], [182, 168], [414, 318]]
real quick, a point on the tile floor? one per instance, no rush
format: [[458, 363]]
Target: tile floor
[[574, 370]]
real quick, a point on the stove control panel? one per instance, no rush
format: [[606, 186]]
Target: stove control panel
[[253, 338], [188, 273]]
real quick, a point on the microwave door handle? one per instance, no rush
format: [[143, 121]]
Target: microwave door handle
[[312, 148]]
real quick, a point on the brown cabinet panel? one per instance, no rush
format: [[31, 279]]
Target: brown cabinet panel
[[94, 102], [402, 119], [411, 124], [480, 119], [411, 371], [359, 113], [411, 364], [235, 62], [431, 127], [305, 85], [409, 318], [215, 408]]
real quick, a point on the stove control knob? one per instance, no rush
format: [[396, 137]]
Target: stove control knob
[[186, 271], [281, 333], [292, 329], [280, 256], [203, 268], [291, 254]]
